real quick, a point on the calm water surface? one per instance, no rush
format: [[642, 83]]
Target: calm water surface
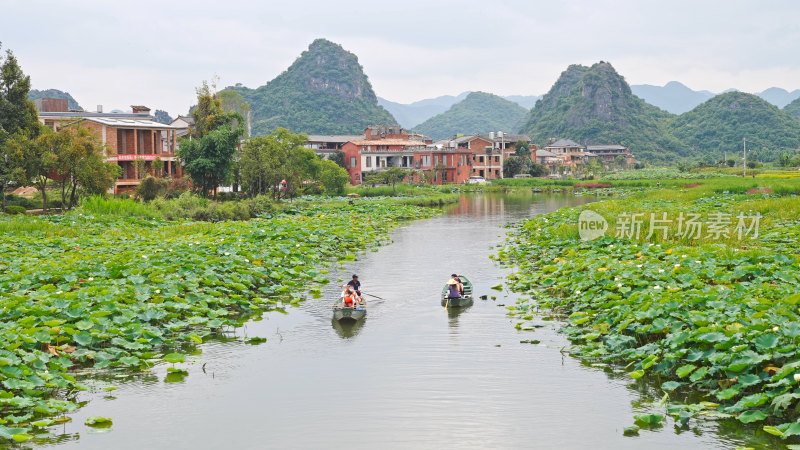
[[412, 375]]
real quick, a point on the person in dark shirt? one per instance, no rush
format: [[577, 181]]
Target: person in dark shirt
[[355, 285]]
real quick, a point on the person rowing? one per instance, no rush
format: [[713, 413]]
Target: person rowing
[[454, 287], [355, 285]]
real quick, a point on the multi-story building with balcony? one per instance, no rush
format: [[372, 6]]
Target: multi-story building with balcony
[[133, 140]]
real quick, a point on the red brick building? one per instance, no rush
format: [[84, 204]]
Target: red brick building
[[489, 151], [127, 138], [384, 147]]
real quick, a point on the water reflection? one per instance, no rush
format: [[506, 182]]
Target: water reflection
[[426, 377], [454, 313], [347, 329]]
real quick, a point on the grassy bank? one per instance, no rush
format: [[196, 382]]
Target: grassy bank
[[123, 291], [713, 312]]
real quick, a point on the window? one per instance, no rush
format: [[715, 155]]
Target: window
[[426, 160], [353, 162], [368, 161]]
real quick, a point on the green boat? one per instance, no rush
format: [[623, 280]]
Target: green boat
[[466, 297], [345, 314]]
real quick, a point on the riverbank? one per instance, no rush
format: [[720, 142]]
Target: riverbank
[[694, 285], [124, 293]]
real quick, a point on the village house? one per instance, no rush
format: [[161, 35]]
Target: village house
[[382, 147], [546, 158], [132, 140], [326, 145], [489, 151], [609, 153]]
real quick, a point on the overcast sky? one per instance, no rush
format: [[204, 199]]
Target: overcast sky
[[119, 53]]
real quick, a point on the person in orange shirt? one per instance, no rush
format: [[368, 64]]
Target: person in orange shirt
[[350, 299]]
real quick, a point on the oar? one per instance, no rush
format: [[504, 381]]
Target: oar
[[375, 296]]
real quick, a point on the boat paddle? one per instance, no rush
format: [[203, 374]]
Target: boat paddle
[[375, 296]]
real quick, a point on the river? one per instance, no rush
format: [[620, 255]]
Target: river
[[412, 375]]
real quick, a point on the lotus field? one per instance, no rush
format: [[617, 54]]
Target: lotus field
[[81, 295], [709, 314]]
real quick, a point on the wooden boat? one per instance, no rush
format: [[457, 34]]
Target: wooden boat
[[466, 297], [345, 314]]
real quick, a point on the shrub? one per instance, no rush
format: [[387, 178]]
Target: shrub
[[152, 187], [259, 205], [14, 209]]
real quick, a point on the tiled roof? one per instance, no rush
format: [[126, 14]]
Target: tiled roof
[[405, 142], [130, 123], [334, 137], [545, 153], [507, 138], [563, 143], [606, 147]]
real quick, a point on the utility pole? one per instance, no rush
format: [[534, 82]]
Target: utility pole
[[744, 159], [502, 151]]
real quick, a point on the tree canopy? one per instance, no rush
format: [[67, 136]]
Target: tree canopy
[[208, 156], [18, 118], [279, 165]]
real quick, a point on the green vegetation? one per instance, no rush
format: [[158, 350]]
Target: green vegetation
[[478, 113], [18, 117], [325, 91], [209, 157], [279, 165], [594, 105], [124, 293], [72, 104], [710, 313], [720, 123], [793, 108]]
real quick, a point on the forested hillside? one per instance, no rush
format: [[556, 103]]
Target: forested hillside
[[478, 113], [720, 124], [594, 105], [325, 91]]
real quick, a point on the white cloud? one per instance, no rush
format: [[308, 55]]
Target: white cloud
[[154, 52]]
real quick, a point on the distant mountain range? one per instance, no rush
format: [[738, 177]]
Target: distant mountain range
[[678, 99], [478, 113], [412, 114], [674, 97], [594, 105]]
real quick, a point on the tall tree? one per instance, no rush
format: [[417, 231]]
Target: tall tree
[[208, 160], [209, 157], [209, 114], [80, 163], [338, 158], [278, 163], [33, 159], [17, 114], [521, 148], [333, 177]]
